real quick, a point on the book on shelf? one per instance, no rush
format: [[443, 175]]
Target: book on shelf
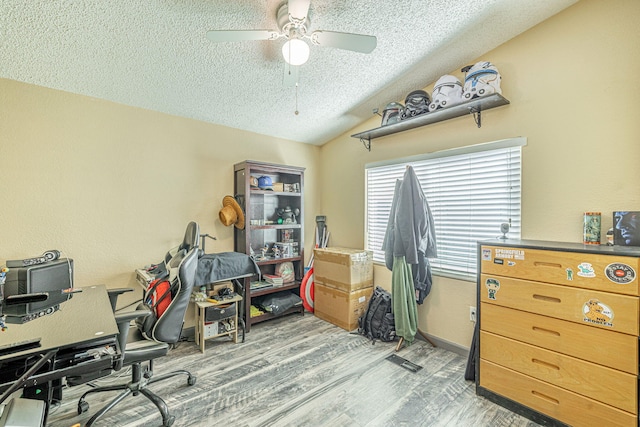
[[260, 284], [273, 279]]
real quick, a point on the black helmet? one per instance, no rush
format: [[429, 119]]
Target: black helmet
[[417, 102]]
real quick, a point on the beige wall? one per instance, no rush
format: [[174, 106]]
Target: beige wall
[[114, 187], [573, 86]]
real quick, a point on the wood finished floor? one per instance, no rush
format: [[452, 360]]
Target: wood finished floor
[[301, 371]]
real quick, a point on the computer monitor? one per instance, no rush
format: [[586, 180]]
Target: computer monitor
[[52, 278]]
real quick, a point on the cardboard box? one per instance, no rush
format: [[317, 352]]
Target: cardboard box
[[278, 186], [340, 308], [343, 268]]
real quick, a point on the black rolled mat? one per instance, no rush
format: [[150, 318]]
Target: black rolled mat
[[404, 363]]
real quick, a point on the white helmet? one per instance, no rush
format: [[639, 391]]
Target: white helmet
[[482, 79], [446, 92]]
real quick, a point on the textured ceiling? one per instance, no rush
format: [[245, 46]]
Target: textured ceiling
[[154, 54]]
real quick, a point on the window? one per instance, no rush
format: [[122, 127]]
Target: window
[[470, 191]]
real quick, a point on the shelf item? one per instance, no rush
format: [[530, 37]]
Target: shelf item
[[268, 316], [275, 230], [474, 107], [558, 331]]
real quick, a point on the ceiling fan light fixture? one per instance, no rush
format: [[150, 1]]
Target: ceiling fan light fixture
[[295, 52]]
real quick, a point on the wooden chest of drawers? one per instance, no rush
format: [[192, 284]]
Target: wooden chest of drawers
[[558, 331]]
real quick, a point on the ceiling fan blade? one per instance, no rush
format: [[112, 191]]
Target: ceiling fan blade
[[298, 9], [241, 35], [347, 41], [291, 75]]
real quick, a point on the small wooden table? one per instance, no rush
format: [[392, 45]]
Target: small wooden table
[[224, 322]]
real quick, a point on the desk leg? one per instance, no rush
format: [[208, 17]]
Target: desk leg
[[200, 327]]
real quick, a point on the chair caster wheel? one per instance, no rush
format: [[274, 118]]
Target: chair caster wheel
[[82, 407], [191, 380], [170, 420]]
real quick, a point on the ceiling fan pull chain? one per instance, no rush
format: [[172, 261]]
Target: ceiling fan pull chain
[[296, 112]]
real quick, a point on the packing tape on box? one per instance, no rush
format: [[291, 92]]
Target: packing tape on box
[[345, 259], [341, 286]]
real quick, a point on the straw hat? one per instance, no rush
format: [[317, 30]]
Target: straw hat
[[231, 213]]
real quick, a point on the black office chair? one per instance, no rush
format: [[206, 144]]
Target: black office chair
[[191, 239], [162, 333]]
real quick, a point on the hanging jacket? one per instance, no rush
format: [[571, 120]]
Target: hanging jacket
[[411, 232]]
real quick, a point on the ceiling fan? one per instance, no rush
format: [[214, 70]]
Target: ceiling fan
[[293, 21]]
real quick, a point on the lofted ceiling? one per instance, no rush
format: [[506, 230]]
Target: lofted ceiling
[[154, 54]]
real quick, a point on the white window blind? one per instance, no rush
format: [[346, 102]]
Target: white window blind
[[470, 193]]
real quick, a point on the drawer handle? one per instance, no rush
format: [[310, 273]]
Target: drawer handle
[[548, 365], [547, 331], [547, 264], [546, 298], [545, 397]]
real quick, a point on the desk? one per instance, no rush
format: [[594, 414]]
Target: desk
[[85, 317], [82, 323]]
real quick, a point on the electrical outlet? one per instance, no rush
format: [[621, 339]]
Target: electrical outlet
[[472, 314]]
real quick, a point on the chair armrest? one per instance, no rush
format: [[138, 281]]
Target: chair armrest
[[123, 321], [127, 316], [114, 294]]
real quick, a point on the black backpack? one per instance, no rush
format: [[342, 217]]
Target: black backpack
[[377, 322]]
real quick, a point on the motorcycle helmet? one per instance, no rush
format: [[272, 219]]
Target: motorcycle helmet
[[482, 79], [417, 102], [446, 92], [391, 113]]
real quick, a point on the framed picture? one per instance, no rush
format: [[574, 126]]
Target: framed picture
[[626, 230]]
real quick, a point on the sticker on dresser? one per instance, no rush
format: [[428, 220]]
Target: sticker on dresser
[[517, 254], [597, 312], [585, 269], [493, 286], [620, 273]]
